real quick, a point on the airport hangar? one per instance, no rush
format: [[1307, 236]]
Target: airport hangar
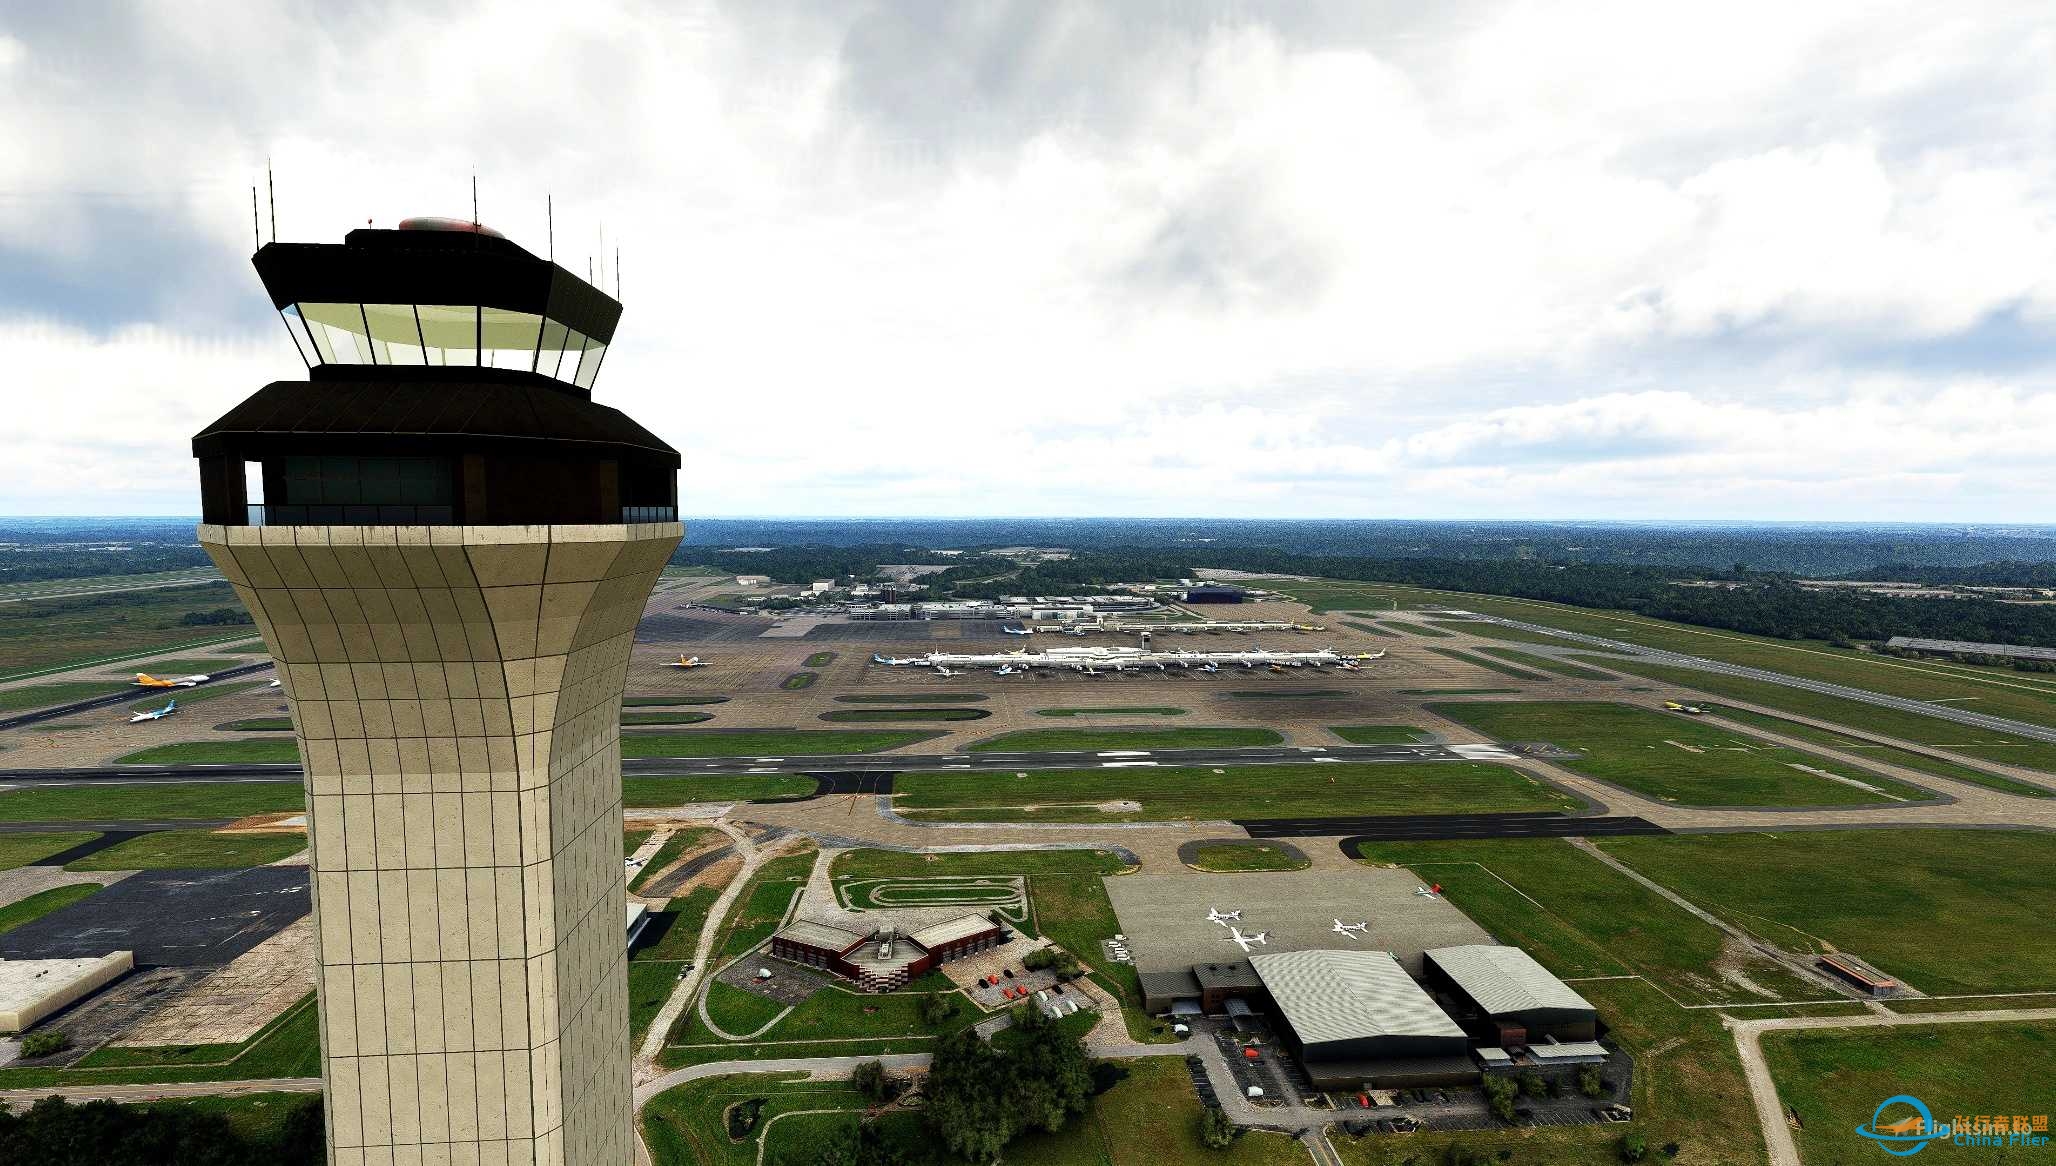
[[1416, 995]]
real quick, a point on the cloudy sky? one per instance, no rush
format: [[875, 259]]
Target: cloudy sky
[[1588, 260]]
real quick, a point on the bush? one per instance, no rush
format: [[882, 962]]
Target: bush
[[55, 1132], [1590, 1083], [1216, 1131], [869, 1079], [1532, 1084], [742, 1117], [1499, 1095], [1050, 958], [43, 1044], [1632, 1148], [937, 1008]]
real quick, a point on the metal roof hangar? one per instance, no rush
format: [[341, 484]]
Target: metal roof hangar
[[1508, 998], [1356, 1018]]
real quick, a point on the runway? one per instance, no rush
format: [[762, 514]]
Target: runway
[[849, 763], [1422, 827], [125, 696]]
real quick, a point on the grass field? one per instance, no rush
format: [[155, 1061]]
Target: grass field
[[1118, 711], [258, 725], [2025, 696], [762, 904], [1906, 758], [1268, 791], [668, 853], [647, 792], [1950, 911], [107, 801], [1546, 663], [633, 717], [1486, 629], [1060, 740], [1457, 691], [36, 696], [670, 936], [182, 666], [41, 903], [1226, 857], [738, 1012], [155, 698], [908, 697], [905, 714], [1487, 663], [180, 849], [23, 849], [1417, 628], [1674, 758], [1371, 628], [1835, 1081], [799, 680], [1982, 744], [767, 742], [1377, 734], [52, 633], [287, 1047], [1581, 918], [213, 753], [820, 660]]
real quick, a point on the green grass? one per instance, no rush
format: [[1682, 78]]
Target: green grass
[[1268, 791], [1222, 857], [1546, 664], [668, 853], [1835, 1081], [648, 701], [676, 928], [246, 647], [900, 714], [1419, 629], [289, 1046], [101, 801], [1372, 628], [1377, 734], [185, 666], [212, 753], [1492, 631], [35, 696], [767, 742], [258, 725], [1456, 691], [906, 697], [762, 905], [1129, 711], [52, 634], [181, 849], [1675, 758], [1914, 728], [799, 680], [661, 718], [683, 1126], [740, 1012], [1582, 918], [258, 1117], [1059, 740], [1892, 897], [645, 792], [1905, 758], [154, 698], [820, 660], [1487, 663], [23, 849], [42, 903]]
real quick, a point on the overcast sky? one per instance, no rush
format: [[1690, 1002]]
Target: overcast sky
[[1589, 260]]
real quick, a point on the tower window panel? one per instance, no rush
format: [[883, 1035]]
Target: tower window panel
[[509, 338], [551, 350], [395, 335], [338, 332], [449, 332], [589, 366], [297, 327]]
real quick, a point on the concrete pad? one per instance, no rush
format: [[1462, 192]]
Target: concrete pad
[[1165, 916], [236, 1001]]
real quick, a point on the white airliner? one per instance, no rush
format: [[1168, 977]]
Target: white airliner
[[155, 714], [686, 662], [1122, 659], [1216, 915], [1246, 942], [1016, 630], [1352, 930]]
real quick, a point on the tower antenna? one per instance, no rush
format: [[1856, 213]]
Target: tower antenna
[[603, 255], [474, 203], [617, 271], [550, 218], [271, 195], [256, 234]]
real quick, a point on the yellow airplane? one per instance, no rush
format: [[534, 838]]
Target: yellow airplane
[[145, 680], [687, 662]]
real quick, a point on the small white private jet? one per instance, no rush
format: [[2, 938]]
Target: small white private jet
[[1016, 630], [1007, 670], [274, 683], [1352, 930], [1209, 667], [686, 662], [1424, 892], [1245, 942], [942, 671], [155, 714], [1224, 918]]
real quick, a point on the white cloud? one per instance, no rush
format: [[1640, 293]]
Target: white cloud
[[1526, 259]]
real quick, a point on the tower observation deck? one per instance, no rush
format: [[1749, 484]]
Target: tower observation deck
[[446, 544]]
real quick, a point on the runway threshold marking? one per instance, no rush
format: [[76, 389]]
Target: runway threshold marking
[[1123, 764]]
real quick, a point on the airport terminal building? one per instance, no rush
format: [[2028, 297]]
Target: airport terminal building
[[882, 960]]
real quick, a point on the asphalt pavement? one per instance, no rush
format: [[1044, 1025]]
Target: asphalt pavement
[[123, 697]]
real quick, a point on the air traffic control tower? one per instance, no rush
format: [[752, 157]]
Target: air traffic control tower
[[447, 544]]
